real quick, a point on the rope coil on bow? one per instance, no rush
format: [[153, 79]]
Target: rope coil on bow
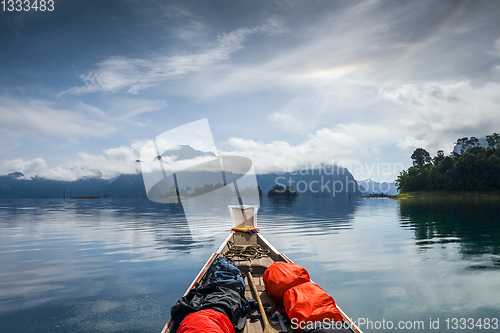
[[248, 252]]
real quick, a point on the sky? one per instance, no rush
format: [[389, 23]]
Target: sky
[[288, 84]]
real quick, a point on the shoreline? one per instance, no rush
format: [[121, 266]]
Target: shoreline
[[447, 195]]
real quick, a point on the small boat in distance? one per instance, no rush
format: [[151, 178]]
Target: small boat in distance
[[244, 219]]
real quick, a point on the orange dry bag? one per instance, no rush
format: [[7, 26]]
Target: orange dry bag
[[307, 302], [206, 321], [281, 276]]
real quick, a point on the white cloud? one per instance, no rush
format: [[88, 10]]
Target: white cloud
[[497, 46], [126, 108], [409, 143], [429, 115], [119, 74], [42, 117], [440, 112], [327, 74], [326, 51], [25, 167], [292, 118], [175, 11], [25, 119], [111, 163], [367, 45], [343, 145]]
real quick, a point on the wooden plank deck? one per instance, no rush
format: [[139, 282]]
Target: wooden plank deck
[[257, 272]]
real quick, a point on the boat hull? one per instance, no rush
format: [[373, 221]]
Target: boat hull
[[258, 268]]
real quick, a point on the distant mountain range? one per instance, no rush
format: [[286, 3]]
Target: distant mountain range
[[327, 181], [186, 152], [124, 186], [369, 186], [316, 183]]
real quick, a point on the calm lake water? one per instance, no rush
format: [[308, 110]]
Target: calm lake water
[[119, 265]]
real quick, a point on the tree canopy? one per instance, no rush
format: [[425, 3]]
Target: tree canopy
[[420, 157], [475, 168]]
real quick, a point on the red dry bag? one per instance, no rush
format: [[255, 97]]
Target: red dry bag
[[307, 302], [281, 276], [206, 321]]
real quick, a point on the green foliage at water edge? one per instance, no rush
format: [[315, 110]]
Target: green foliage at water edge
[[474, 168]]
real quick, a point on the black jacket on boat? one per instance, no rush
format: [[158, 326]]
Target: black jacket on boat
[[222, 299], [223, 290], [224, 272]]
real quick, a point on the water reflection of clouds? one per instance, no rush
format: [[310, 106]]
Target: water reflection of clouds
[[112, 224], [118, 268], [53, 250], [375, 268], [123, 315]]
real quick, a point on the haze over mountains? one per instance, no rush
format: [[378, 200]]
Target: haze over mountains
[[185, 152], [328, 181], [368, 186]]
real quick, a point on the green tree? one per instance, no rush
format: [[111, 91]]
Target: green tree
[[279, 191], [472, 142], [475, 168], [420, 157], [467, 143], [493, 140], [439, 157], [493, 168], [462, 142]]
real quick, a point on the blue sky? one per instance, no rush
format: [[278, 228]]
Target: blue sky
[[285, 83]]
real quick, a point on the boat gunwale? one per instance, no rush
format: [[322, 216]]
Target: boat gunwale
[[201, 274]]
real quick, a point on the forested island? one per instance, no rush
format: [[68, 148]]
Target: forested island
[[470, 167], [279, 191]]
